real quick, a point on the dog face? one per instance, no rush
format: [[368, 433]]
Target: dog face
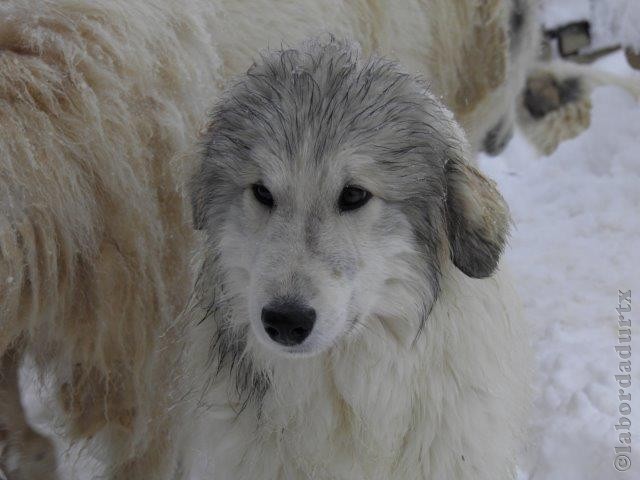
[[331, 192]]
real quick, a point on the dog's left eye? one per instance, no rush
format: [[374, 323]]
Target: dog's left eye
[[262, 195], [353, 198]]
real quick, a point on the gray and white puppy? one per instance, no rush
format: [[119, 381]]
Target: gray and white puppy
[[337, 204]]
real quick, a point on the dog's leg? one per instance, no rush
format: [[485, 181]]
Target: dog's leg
[[553, 108], [556, 101], [24, 454]]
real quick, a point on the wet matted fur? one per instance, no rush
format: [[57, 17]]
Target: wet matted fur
[[97, 100], [417, 366]]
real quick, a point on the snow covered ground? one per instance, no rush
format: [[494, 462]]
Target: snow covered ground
[[576, 242], [561, 12]]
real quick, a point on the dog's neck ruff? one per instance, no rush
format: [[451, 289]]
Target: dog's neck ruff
[[359, 397], [375, 407]]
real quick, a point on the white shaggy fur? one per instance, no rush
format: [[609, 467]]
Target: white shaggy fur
[[444, 407], [412, 370], [97, 100]]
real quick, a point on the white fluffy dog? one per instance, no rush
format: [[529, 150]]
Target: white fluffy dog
[[357, 323], [97, 102]]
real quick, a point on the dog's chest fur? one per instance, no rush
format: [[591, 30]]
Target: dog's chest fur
[[375, 409], [317, 418]]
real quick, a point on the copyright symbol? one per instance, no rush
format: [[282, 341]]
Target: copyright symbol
[[622, 462]]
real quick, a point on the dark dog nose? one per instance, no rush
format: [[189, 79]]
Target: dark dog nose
[[288, 323]]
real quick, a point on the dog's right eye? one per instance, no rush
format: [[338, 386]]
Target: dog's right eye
[[352, 198], [262, 195]]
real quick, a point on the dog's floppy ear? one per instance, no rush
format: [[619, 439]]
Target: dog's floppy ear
[[477, 219]]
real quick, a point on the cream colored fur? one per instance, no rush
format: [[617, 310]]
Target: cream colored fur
[[460, 46], [97, 100]]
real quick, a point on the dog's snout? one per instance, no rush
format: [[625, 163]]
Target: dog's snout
[[288, 323]]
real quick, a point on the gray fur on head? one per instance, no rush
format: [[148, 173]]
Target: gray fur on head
[[303, 121]]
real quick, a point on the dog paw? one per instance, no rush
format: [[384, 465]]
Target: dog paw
[[545, 93], [553, 109]]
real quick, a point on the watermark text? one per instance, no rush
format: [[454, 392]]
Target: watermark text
[[622, 450]]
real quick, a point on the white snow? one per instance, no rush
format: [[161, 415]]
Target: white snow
[[575, 243], [556, 13], [616, 21]]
